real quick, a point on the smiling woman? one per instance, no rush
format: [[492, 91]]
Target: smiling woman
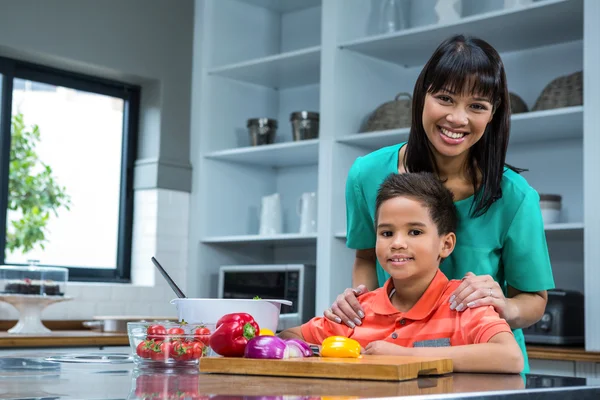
[[66, 182]]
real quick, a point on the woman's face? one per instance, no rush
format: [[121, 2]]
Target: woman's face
[[454, 122]]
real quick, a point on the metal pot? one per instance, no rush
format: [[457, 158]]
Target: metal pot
[[119, 323]]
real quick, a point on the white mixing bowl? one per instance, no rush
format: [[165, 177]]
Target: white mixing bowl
[[208, 311]]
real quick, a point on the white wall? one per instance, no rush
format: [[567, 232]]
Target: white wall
[[146, 42]]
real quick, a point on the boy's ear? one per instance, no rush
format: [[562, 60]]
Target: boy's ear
[[447, 244]]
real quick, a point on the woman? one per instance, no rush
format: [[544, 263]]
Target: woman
[[460, 130]]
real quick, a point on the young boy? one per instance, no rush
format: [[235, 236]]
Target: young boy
[[415, 222]]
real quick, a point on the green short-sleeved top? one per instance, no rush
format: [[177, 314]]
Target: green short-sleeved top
[[507, 242]]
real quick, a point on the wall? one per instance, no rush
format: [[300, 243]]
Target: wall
[[146, 42]]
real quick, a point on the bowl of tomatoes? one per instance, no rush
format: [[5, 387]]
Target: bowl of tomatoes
[[169, 344]]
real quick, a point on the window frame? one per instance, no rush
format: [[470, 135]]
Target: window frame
[[11, 69]]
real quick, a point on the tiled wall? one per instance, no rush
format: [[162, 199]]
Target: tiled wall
[[160, 229]]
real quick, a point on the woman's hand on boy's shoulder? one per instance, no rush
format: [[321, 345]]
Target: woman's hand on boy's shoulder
[[381, 347], [346, 307], [477, 291]]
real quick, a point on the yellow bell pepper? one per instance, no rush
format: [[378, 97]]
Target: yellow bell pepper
[[340, 347], [265, 332]]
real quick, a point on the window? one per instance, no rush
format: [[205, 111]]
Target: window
[[67, 147]]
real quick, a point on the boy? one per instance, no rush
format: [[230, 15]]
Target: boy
[[415, 222]]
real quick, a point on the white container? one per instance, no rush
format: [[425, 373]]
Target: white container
[[208, 311], [550, 205]]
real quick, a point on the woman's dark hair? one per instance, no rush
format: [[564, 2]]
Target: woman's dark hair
[[465, 65], [425, 188]]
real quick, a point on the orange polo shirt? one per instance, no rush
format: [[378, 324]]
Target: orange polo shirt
[[430, 323]]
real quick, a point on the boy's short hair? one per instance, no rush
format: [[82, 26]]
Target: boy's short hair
[[425, 188]]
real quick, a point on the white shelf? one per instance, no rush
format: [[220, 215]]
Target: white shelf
[[304, 152], [564, 226], [282, 239], [284, 6], [552, 230], [280, 71], [546, 125], [560, 123], [542, 23], [376, 140]]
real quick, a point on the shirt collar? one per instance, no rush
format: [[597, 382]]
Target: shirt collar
[[426, 304]]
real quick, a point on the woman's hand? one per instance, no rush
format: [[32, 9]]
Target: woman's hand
[[346, 307], [477, 291]]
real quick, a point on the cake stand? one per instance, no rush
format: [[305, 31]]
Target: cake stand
[[30, 309]]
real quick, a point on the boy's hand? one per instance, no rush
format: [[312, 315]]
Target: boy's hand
[[381, 347]]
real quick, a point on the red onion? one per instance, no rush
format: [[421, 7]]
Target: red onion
[[298, 348], [266, 347]]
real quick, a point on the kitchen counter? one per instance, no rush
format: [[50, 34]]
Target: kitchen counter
[[113, 376], [63, 339], [84, 337]]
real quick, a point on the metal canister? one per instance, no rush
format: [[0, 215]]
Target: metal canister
[[305, 125], [261, 130]]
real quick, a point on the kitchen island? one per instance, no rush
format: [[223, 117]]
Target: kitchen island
[[106, 375]]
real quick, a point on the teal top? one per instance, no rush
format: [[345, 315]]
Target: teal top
[[508, 242]]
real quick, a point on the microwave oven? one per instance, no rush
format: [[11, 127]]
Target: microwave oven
[[294, 282]]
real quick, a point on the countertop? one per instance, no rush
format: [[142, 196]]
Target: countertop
[[76, 338], [115, 376]]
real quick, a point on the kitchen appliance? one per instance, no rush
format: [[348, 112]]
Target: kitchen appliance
[[562, 322], [294, 282], [307, 211]]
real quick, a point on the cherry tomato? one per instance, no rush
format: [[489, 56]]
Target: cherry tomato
[[156, 332], [202, 334], [143, 349], [197, 349], [175, 332]]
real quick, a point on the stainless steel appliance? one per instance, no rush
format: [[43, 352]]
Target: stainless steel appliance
[[295, 282], [562, 322]]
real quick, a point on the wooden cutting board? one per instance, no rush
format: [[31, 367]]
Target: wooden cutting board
[[367, 367]]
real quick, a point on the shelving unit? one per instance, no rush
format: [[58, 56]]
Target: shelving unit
[[268, 58], [552, 230], [281, 71], [540, 24], [287, 238], [305, 152]]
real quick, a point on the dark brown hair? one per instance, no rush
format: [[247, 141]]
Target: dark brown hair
[[425, 188], [465, 64]]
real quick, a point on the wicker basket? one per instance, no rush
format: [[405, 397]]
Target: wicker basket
[[564, 91], [394, 114], [517, 105]]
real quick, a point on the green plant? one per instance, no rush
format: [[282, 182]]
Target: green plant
[[33, 192]]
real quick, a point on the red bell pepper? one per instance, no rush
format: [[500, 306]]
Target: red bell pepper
[[232, 333]]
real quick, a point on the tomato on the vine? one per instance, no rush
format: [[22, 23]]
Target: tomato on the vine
[[202, 334], [156, 332]]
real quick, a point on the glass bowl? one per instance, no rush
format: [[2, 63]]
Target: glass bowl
[[168, 344]]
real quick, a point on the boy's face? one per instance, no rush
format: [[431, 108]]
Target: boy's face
[[408, 243]]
